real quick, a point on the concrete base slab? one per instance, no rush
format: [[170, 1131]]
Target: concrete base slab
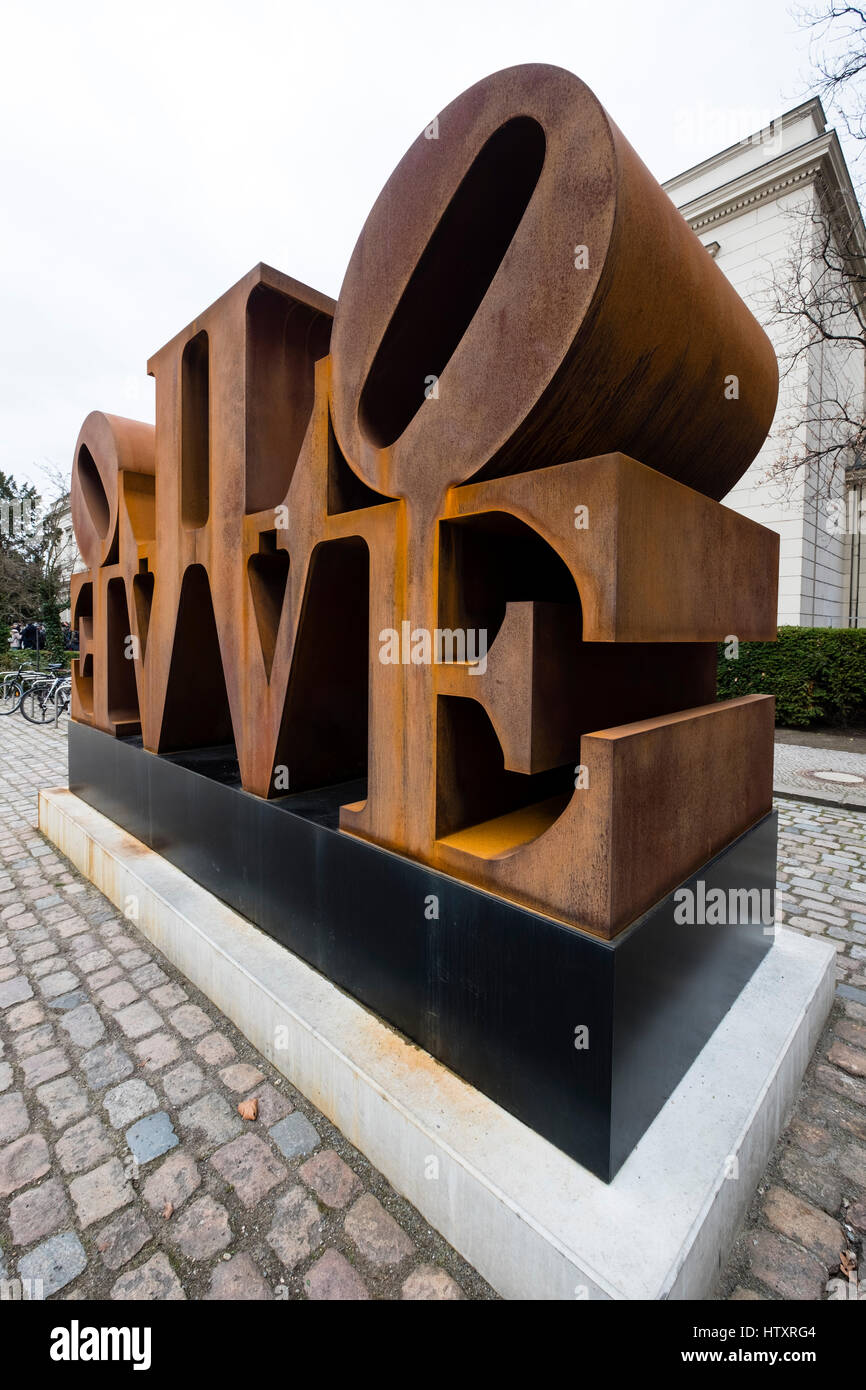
[[533, 1222]]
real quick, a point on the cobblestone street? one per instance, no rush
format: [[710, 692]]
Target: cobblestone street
[[127, 1171], [810, 1206]]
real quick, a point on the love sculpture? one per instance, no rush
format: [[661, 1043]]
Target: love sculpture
[[437, 574]]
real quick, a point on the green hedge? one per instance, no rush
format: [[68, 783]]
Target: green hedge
[[817, 674]]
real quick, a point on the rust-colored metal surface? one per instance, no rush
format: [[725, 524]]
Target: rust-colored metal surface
[[460, 533]]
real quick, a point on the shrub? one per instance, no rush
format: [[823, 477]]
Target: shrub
[[817, 674], [55, 641]]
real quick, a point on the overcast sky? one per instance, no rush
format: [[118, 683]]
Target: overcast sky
[[153, 153]]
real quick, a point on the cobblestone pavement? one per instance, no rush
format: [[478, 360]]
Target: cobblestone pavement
[[127, 1172], [126, 1169], [831, 774], [810, 1205]]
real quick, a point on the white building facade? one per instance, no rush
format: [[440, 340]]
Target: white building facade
[[749, 205]]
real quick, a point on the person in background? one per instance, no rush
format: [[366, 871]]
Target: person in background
[[32, 638]]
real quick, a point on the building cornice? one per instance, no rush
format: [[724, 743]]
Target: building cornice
[[812, 107], [819, 161]]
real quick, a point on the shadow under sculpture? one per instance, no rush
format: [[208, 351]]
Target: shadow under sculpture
[[437, 574]]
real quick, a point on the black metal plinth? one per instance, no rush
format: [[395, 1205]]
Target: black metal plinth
[[494, 991]]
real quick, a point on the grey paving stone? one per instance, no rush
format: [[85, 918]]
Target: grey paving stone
[[173, 1182], [238, 1280], [22, 1162], [430, 1284], [64, 1100], [241, 1077], [168, 995], [100, 1192], [119, 995], [202, 1230], [138, 1019], [157, 1050], [250, 1166], [44, 1066], [14, 991], [184, 1083], [120, 1241], [154, 1281], [23, 1016], [129, 1101], [332, 1278], [818, 1181], [190, 1021], [38, 951], [72, 927], [5, 1076], [81, 946], [52, 966], [64, 1002], [790, 1272], [148, 976], [84, 1025], [375, 1234], [130, 959], [296, 1229], [83, 1145], [294, 1136], [852, 1165], [330, 1178], [212, 1116], [61, 983], [105, 1064], [273, 1105], [90, 961], [14, 1119], [34, 1040], [104, 977], [121, 942], [39, 1212], [56, 1262], [151, 1137], [216, 1049]]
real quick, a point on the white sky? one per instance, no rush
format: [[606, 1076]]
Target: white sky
[[150, 154]]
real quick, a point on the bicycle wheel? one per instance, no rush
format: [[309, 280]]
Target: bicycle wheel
[[11, 691], [37, 705], [62, 702]]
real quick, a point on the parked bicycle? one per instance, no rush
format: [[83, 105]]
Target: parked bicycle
[[47, 701], [14, 683]]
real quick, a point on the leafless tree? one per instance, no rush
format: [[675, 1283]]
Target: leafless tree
[[837, 36], [817, 295]]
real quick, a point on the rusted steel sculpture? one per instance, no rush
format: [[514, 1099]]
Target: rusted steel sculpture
[[538, 384], [459, 533]]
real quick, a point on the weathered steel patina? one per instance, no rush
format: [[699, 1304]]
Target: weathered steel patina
[[460, 533]]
